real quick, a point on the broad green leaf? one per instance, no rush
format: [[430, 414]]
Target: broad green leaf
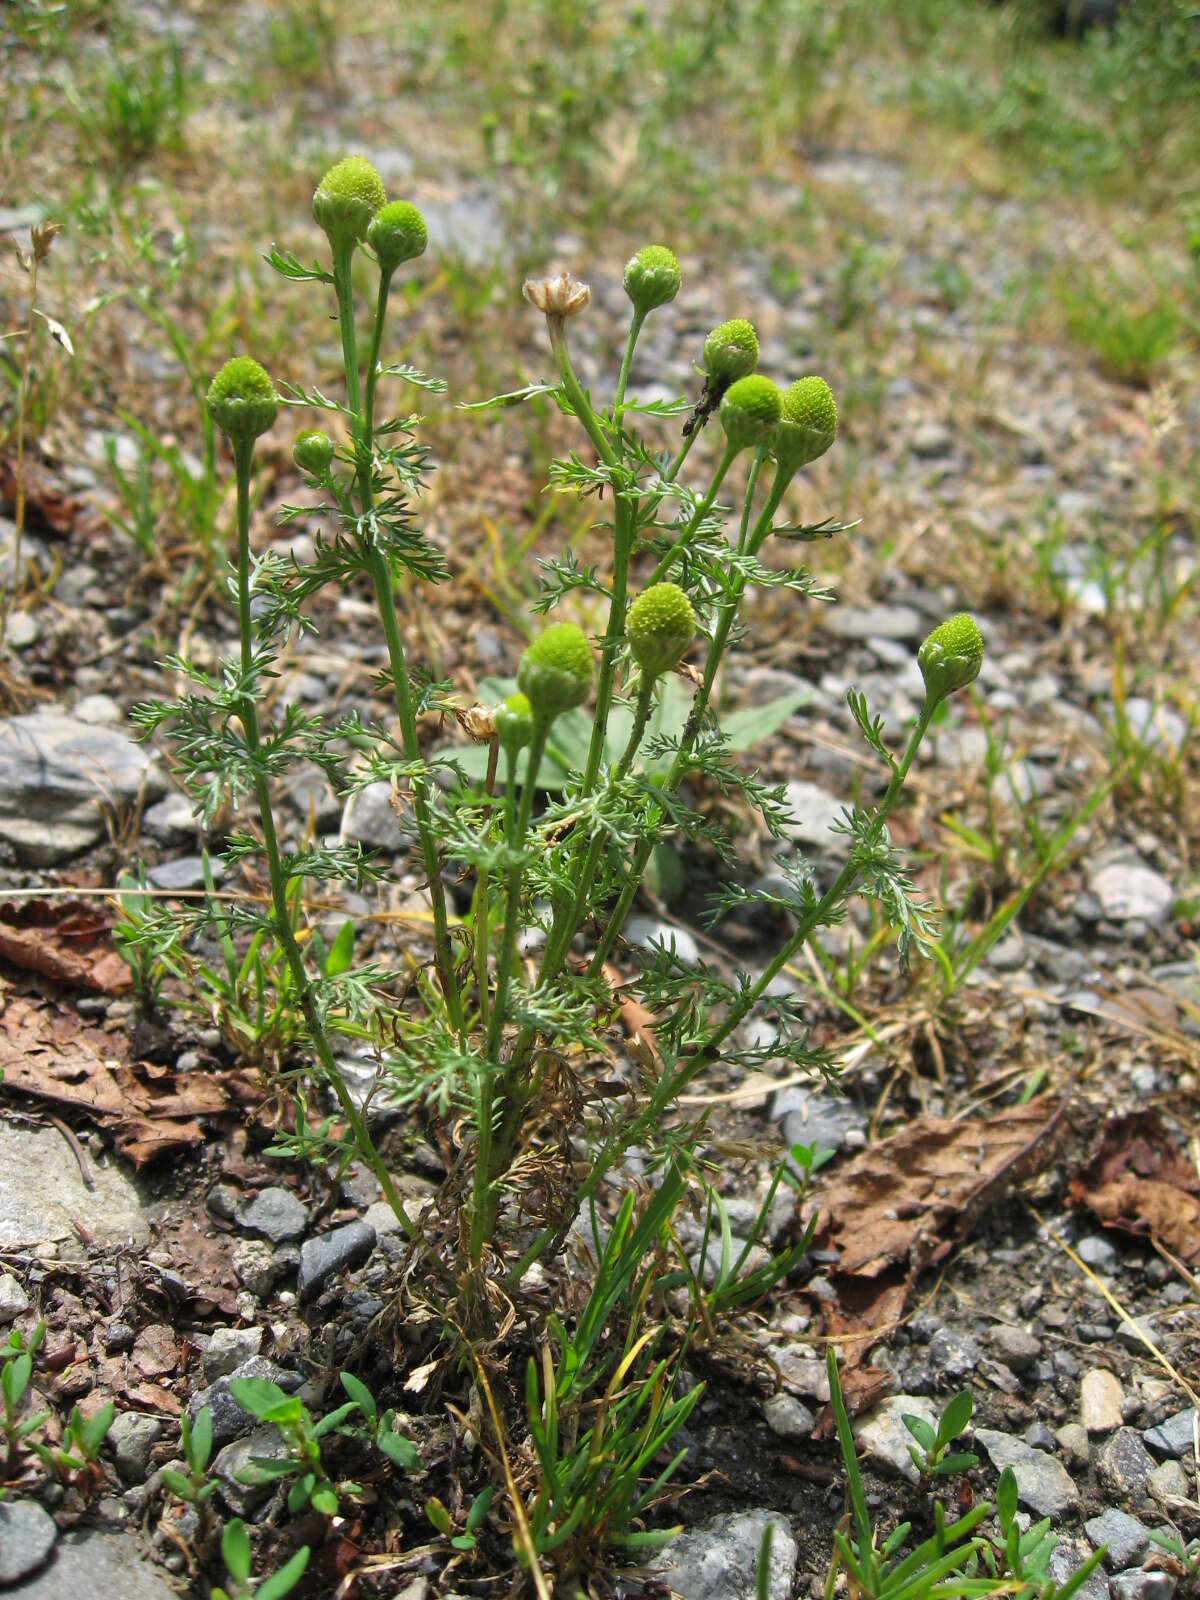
[[286, 1579], [360, 1394], [920, 1430], [748, 727], [955, 1417], [1006, 1498], [403, 1452], [235, 1549], [265, 1400], [341, 951]]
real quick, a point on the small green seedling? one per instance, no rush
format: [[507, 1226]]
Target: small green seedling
[[14, 1382], [931, 1454], [235, 1550], [80, 1450], [195, 1439], [444, 1522], [1186, 1554]]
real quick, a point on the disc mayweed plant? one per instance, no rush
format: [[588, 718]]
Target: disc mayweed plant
[[505, 1037]]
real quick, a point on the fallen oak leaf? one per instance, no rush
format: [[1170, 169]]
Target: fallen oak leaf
[[69, 941], [1139, 1181]]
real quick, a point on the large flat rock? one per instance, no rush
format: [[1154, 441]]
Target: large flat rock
[[42, 1189], [95, 1566], [60, 777]]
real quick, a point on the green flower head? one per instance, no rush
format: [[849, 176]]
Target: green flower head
[[730, 352], [661, 625], [397, 233], [242, 400], [346, 199], [513, 718], [950, 657], [312, 451], [556, 671], [652, 277], [749, 411], [807, 423]]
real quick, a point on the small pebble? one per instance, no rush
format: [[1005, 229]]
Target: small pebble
[[1100, 1396]]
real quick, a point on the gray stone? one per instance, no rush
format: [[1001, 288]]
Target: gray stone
[[1016, 1347], [228, 1348], [882, 1437], [1133, 1332], [1131, 891], [1174, 1436], [815, 811], [27, 1536], [99, 1566], [1139, 1585], [13, 1299], [329, 1253], [265, 1444], [184, 872], [229, 1421], [275, 1214], [1068, 1555], [131, 1439], [1124, 1535], [788, 1417], [1043, 1483], [254, 1263], [1167, 1483], [717, 1560], [710, 1269], [59, 777], [41, 1191], [932, 440], [810, 1117], [649, 932], [953, 1353], [170, 821], [383, 1219], [1124, 1465], [1096, 1251], [873, 622], [370, 820]]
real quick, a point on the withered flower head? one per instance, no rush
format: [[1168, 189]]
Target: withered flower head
[[560, 296]]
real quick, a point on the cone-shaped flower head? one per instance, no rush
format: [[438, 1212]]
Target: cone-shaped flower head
[[346, 199], [807, 424], [242, 400], [661, 625], [312, 451], [950, 657], [652, 277], [397, 233], [513, 718], [730, 352], [750, 410], [556, 671]]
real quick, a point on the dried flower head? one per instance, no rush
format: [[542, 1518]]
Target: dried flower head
[[560, 296]]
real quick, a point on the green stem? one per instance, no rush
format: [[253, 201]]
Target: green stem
[[381, 578], [672, 1084], [560, 938], [243, 452], [702, 510], [641, 857], [635, 327], [518, 825]]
